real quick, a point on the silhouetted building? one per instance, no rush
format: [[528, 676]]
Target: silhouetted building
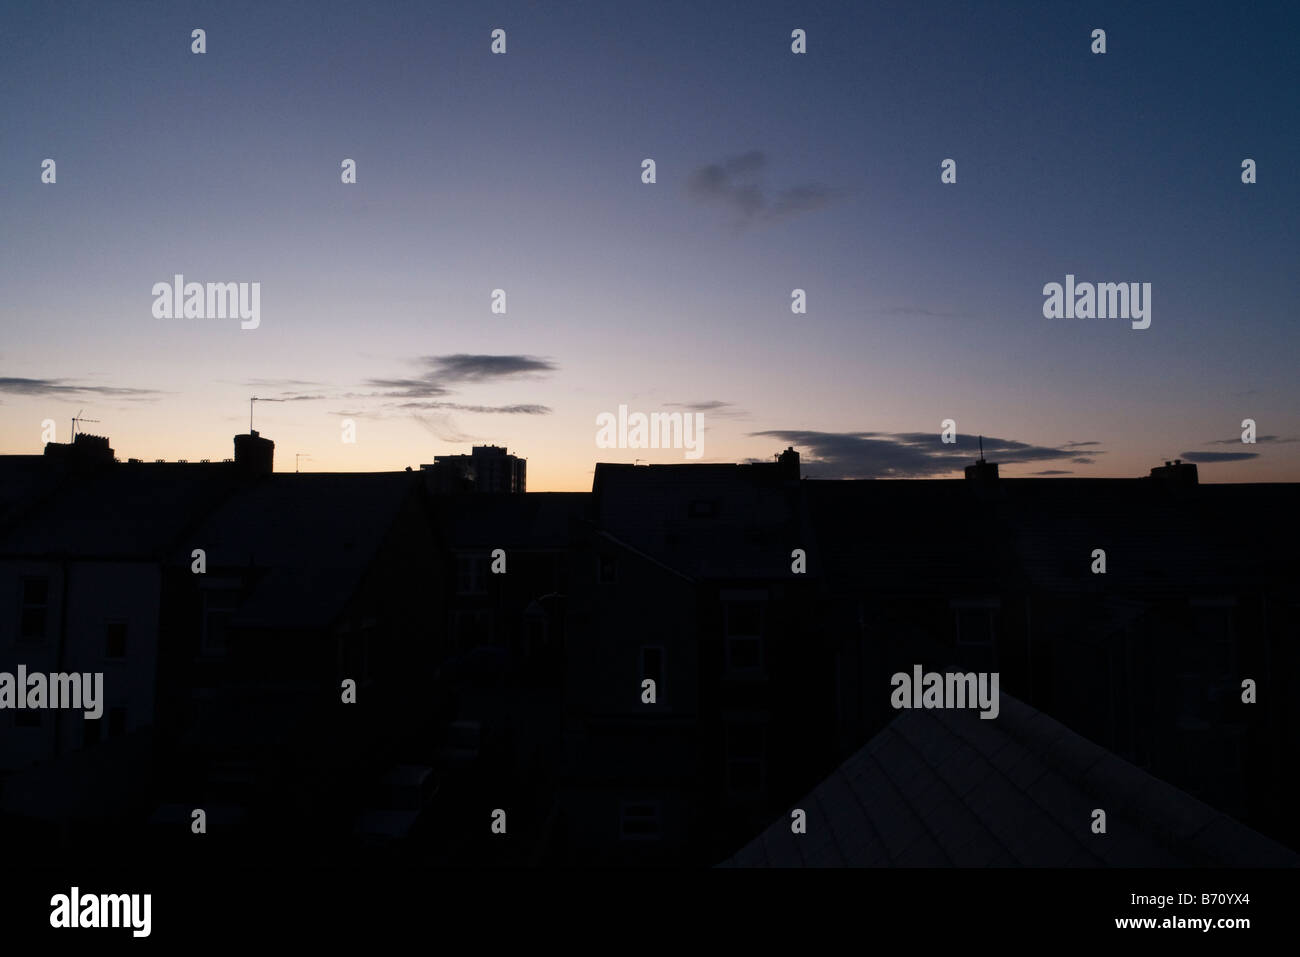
[[501, 647], [83, 450], [1176, 472], [254, 454], [487, 469]]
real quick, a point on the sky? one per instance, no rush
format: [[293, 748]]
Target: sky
[[774, 171]]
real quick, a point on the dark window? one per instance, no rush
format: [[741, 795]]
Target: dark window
[[116, 722], [89, 733], [36, 596], [744, 635], [27, 718], [704, 508], [746, 758], [975, 626], [652, 667], [744, 618], [471, 575], [640, 822], [218, 605], [607, 571], [115, 640]]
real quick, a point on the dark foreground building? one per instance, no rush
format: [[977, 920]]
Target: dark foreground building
[[371, 666]]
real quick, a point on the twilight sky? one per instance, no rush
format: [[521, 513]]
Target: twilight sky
[[774, 171]]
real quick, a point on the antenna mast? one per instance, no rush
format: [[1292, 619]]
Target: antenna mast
[[77, 418]]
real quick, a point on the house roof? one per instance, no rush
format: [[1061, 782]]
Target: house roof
[[124, 511], [939, 788], [519, 520], [312, 536], [704, 520]]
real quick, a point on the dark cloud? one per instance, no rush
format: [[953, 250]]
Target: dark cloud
[[1078, 445], [1219, 456], [292, 397], [407, 388], [1053, 472], [459, 367], [57, 387], [902, 454], [472, 368], [1082, 460], [731, 184]]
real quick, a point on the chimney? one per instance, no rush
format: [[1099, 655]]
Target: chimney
[[982, 471], [1177, 472], [254, 455], [84, 451], [788, 463]]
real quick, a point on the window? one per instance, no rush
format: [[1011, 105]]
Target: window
[[27, 718], [704, 508], [640, 821], [607, 569], [471, 575], [35, 606], [976, 622], [652, 667], [89, 733], [116, 722], [746, 759], [1209, 647], [220, 600], [115, 639], [471, 628], [743, 626]]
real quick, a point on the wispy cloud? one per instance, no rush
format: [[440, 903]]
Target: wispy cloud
[[292, 397], [735, 185], [520, 409], [1259, 438], [903, 454], [442, 427], [280, 383], [1205, 457], [714, 407], [407, 388], [64, 387], [440, 371], [916, 312]]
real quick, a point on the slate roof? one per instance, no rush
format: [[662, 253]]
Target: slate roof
[[315, 536], [125, 511], [704, 520], [537, 520], [939, 788]]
